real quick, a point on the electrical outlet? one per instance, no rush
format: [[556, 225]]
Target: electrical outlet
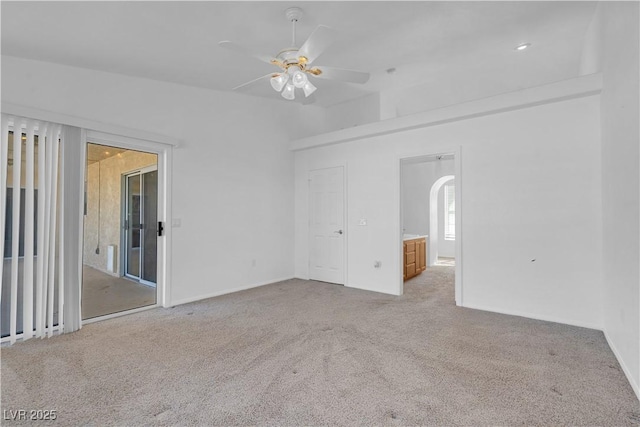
[[363, 221]]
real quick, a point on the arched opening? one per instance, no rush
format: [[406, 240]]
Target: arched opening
[[434, 210]]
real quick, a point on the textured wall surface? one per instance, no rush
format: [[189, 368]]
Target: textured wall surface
[[104, 182]]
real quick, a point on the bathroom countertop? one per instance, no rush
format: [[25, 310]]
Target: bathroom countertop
[[414, 236]]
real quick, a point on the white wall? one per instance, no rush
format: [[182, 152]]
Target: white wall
[[415, 200], [417, 180], [454, 85], [620, 182], [529, 178], [365, 109], [591, 58], [446, 248], [232, 176]]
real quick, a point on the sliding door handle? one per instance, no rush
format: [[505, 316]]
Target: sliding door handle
[[338, 232]]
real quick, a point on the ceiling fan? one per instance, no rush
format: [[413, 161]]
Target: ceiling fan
[[295, 63]]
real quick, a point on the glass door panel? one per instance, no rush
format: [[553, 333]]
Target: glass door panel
[[133, 226], [150, 224]]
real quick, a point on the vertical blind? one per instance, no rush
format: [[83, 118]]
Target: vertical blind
[[32, 293]]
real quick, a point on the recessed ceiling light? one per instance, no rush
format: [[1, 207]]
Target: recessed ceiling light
[[523, 46]]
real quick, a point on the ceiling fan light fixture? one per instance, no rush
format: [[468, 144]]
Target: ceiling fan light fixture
[[289, 92], [278, 82], [299, 79], [308, 88], [297, 61]]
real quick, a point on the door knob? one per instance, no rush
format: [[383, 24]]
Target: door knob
[[339, 231]]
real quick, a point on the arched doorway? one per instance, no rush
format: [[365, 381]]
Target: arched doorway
[[434, 237]]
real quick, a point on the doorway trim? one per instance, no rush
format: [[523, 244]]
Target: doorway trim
[[164, 166], [432, 152]]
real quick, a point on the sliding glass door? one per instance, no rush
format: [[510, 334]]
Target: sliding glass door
[[120, 231], [140, 225]]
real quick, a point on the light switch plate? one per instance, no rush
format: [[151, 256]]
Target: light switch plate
[[363, 221]]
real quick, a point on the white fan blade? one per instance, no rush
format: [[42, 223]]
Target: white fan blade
[[321, 38], [349, 76], [253, 81], [238, 48]]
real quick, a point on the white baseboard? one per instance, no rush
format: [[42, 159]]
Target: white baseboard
[[625, 368], [227, 291], [534, 316]]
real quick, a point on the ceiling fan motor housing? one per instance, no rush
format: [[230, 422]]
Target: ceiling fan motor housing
[[289, 59], [288, 56]]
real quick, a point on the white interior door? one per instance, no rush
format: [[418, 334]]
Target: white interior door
[[327, 232]]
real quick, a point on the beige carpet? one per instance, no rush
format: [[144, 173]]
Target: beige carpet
[[105, 294], [309, 353]]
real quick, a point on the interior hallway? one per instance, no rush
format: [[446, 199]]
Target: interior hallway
[[302, 352]]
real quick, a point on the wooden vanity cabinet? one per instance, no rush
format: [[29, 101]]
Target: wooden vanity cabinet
[[415, 257], [421, 255]]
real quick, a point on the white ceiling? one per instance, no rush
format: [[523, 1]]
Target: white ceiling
[[177, 41]]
